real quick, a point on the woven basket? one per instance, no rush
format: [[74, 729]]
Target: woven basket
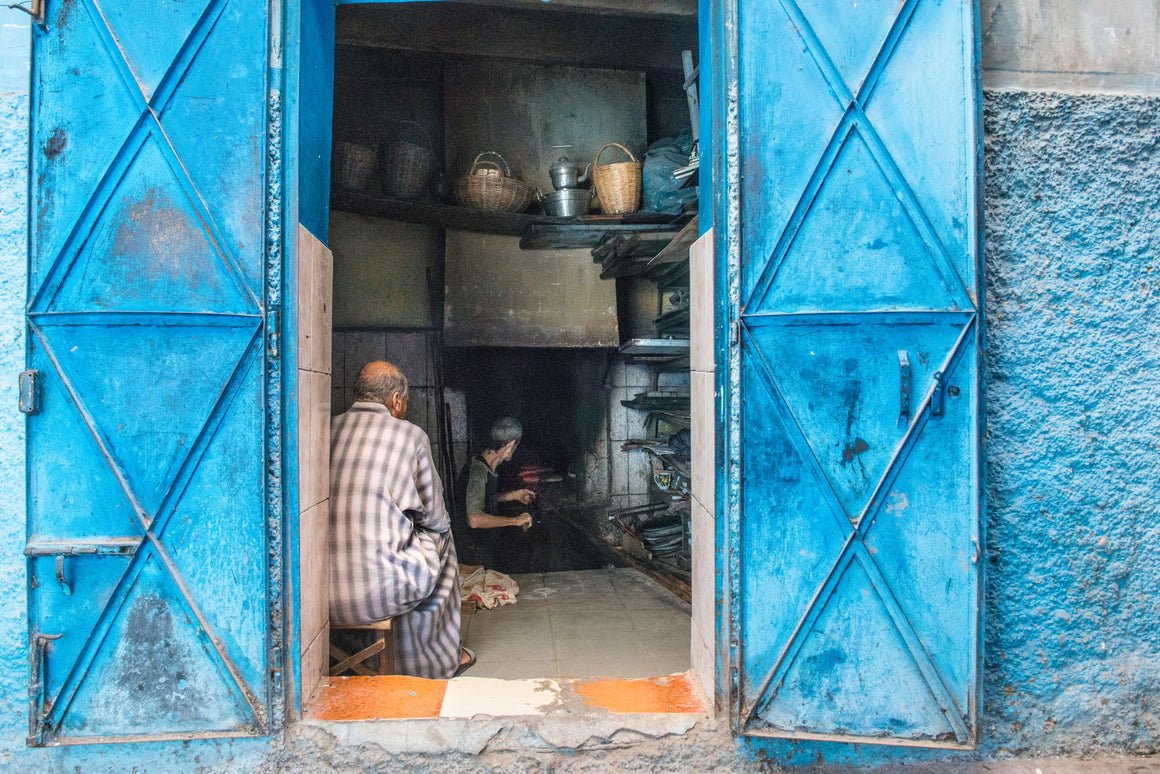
[[490, 186], [618, 184], [354, 167], [407, 165]]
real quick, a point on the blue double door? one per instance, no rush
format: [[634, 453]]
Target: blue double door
[[852, 445]]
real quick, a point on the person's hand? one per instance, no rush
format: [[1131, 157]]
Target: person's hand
[[524, 496], [524, 521]]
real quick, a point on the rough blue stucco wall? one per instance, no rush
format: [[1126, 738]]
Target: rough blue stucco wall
[[1073, 462], [14, 37]]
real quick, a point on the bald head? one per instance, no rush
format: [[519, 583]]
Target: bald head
[[379, 381]]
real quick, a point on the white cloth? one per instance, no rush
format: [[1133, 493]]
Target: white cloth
[[488, 589], [391, 551]]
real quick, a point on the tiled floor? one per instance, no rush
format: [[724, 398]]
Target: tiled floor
[[589, 623]]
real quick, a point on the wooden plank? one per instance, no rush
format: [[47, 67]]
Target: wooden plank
[[678, 249]]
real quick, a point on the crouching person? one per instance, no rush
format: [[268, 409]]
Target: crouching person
[[391, 550]]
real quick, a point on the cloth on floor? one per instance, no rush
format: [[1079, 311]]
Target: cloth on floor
[[488, 589]]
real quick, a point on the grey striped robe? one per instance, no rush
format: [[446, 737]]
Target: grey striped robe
[[391, 552]]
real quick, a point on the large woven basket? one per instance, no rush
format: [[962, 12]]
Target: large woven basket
[[407, 162], [489, 185], [618, 184], [354, 166]]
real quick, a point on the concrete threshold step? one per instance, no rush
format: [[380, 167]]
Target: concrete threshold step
[[411, 715]]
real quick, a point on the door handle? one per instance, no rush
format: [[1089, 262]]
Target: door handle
[[936, 397], [903, 387]]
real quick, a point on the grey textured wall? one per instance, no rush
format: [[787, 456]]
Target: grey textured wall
[[1072, 45]]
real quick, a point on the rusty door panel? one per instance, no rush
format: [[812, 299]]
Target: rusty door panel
[[149, 605], [857, 530]]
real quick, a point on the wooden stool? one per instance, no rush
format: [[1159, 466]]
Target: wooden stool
[[383, 647]]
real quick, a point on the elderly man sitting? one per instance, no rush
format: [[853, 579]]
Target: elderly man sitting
[[391, 550]]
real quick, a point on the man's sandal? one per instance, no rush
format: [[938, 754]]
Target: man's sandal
[[468, 664]]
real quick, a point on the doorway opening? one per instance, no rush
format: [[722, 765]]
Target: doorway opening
[[579, 328]]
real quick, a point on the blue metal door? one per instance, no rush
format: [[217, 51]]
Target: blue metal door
[[855, 441], [152, 553]]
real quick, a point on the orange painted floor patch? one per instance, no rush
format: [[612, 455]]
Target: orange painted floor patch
[[674, 693], [374, 698]]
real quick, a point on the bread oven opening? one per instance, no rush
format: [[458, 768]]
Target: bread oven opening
[[560, 397]]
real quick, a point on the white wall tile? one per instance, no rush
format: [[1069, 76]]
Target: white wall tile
[[305, 440], [638, 376], [703, 438], [701, 303], [637, 500], [314, 569], [307, 255], [640, 471], [703, 660], [324, 312], [314, 664], [618, 414], [618, 466], [704, 568], [319, 438]]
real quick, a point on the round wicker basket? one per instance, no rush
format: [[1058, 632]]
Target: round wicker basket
[[618, 184], [354, 166], [407, 162], [489, 185]]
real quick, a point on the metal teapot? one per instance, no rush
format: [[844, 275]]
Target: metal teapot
[[567, 174]]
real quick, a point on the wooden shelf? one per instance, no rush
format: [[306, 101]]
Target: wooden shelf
[[591, 231], [673, 323], [677, 251], [538, 232], [655, 347]]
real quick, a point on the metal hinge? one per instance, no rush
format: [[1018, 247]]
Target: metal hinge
[[38, 709], [29, 402]]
